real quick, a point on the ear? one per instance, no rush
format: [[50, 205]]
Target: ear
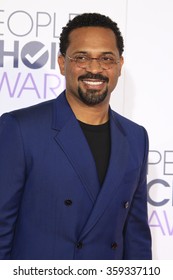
[[61, 63], [121, 64]]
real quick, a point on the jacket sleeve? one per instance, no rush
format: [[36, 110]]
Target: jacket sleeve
[[137, 237], [12, 176]]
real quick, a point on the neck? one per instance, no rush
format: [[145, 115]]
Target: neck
[[94, 115]]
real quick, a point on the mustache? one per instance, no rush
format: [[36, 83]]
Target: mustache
[[93, 76]]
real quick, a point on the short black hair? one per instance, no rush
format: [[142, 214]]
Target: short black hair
[[89, 20]]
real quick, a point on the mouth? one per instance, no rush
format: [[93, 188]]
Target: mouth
[[94, 83]]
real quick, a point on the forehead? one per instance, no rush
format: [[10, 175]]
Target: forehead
[[92, 38]]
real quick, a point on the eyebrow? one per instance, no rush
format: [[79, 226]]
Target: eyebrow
[[102, 53]]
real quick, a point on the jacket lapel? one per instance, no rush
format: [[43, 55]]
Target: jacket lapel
[[72, 141], [115, 173], [74, 145]]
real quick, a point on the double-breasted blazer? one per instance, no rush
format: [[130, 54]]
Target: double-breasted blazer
[[51, 203]]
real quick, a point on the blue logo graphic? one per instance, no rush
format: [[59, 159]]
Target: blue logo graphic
[[34, 55]]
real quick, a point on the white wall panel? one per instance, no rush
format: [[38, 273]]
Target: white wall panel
[[148, 100]]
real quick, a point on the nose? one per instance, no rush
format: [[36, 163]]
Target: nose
[[94, 66]]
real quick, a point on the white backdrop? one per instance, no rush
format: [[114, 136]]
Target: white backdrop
[[143, 93]]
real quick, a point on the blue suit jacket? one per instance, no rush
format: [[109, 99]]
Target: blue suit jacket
[[51, 203]]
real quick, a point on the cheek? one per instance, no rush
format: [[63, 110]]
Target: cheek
[[69, 71], [72, 74], [71, 77], [113, 79]]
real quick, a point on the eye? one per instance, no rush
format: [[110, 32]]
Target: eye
[[107, 59], [81, 58]]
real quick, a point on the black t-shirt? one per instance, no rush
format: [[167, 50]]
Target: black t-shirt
[[98, 137]]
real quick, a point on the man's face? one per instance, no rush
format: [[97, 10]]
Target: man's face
[[91, 85]]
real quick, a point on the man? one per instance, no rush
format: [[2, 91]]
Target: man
[[72, 171]]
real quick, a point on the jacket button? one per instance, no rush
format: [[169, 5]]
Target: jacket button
[[126, 205], [79, 245], [114, 245], [68, 202]]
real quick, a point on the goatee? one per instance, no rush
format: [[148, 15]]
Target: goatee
[[92, 97]]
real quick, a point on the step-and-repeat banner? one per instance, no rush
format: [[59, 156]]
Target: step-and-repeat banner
[[29, 74]]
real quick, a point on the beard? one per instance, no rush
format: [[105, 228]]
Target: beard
[[92, 97]]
